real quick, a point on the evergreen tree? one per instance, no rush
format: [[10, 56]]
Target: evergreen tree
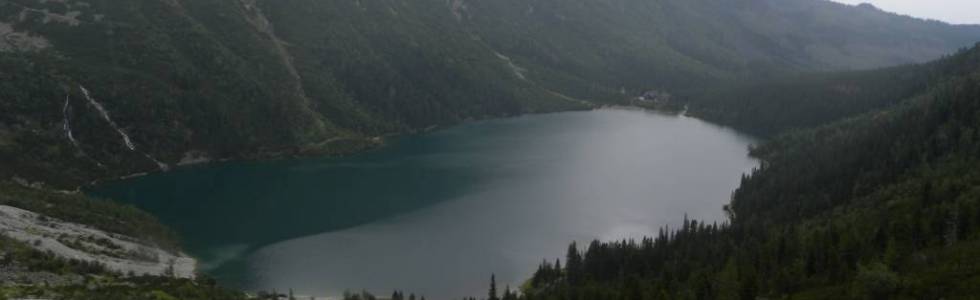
[[573, 265], [508, 295], [493, 287]]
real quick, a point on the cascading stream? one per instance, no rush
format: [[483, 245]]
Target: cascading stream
[[105, 115], [125, 137], [66, 111], [67, 126]]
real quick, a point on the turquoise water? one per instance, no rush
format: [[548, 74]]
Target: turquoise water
[[437, 213]]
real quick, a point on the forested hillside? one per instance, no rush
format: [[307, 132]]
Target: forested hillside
[[772, 106], [98, 89], [879, 206], [101, 89], [581, 47], [867, 190]]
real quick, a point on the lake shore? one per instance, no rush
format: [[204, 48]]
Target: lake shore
[[604, 174]]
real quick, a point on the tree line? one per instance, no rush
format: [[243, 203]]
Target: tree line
[[882, 205]]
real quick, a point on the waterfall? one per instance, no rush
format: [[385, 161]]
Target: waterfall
[[67, 126], [105, 115], [125, 137]]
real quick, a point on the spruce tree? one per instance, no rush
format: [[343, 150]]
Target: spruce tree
[[493, 287], [573, 265]]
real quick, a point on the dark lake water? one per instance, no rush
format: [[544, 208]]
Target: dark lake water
[[436, 214]]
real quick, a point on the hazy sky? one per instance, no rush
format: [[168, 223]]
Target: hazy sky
[[952, 11]]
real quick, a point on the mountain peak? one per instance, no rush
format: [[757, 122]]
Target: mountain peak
[[867, 5]]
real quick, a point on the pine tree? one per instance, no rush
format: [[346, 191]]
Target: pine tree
[[508, 295], [493, 287], [573, 265]]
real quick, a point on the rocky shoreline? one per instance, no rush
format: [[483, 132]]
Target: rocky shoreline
[[115, 252]]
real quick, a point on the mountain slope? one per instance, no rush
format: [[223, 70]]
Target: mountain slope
[[99, 89], [679, 45], [883, 205]]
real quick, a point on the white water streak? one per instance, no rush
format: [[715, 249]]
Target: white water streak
[[66, 111], [126, 140], [518, 71], [67, 127], [105, 115], [160, 165]]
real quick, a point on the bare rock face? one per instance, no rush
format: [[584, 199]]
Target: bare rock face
[[76, 241], [12, 40]]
